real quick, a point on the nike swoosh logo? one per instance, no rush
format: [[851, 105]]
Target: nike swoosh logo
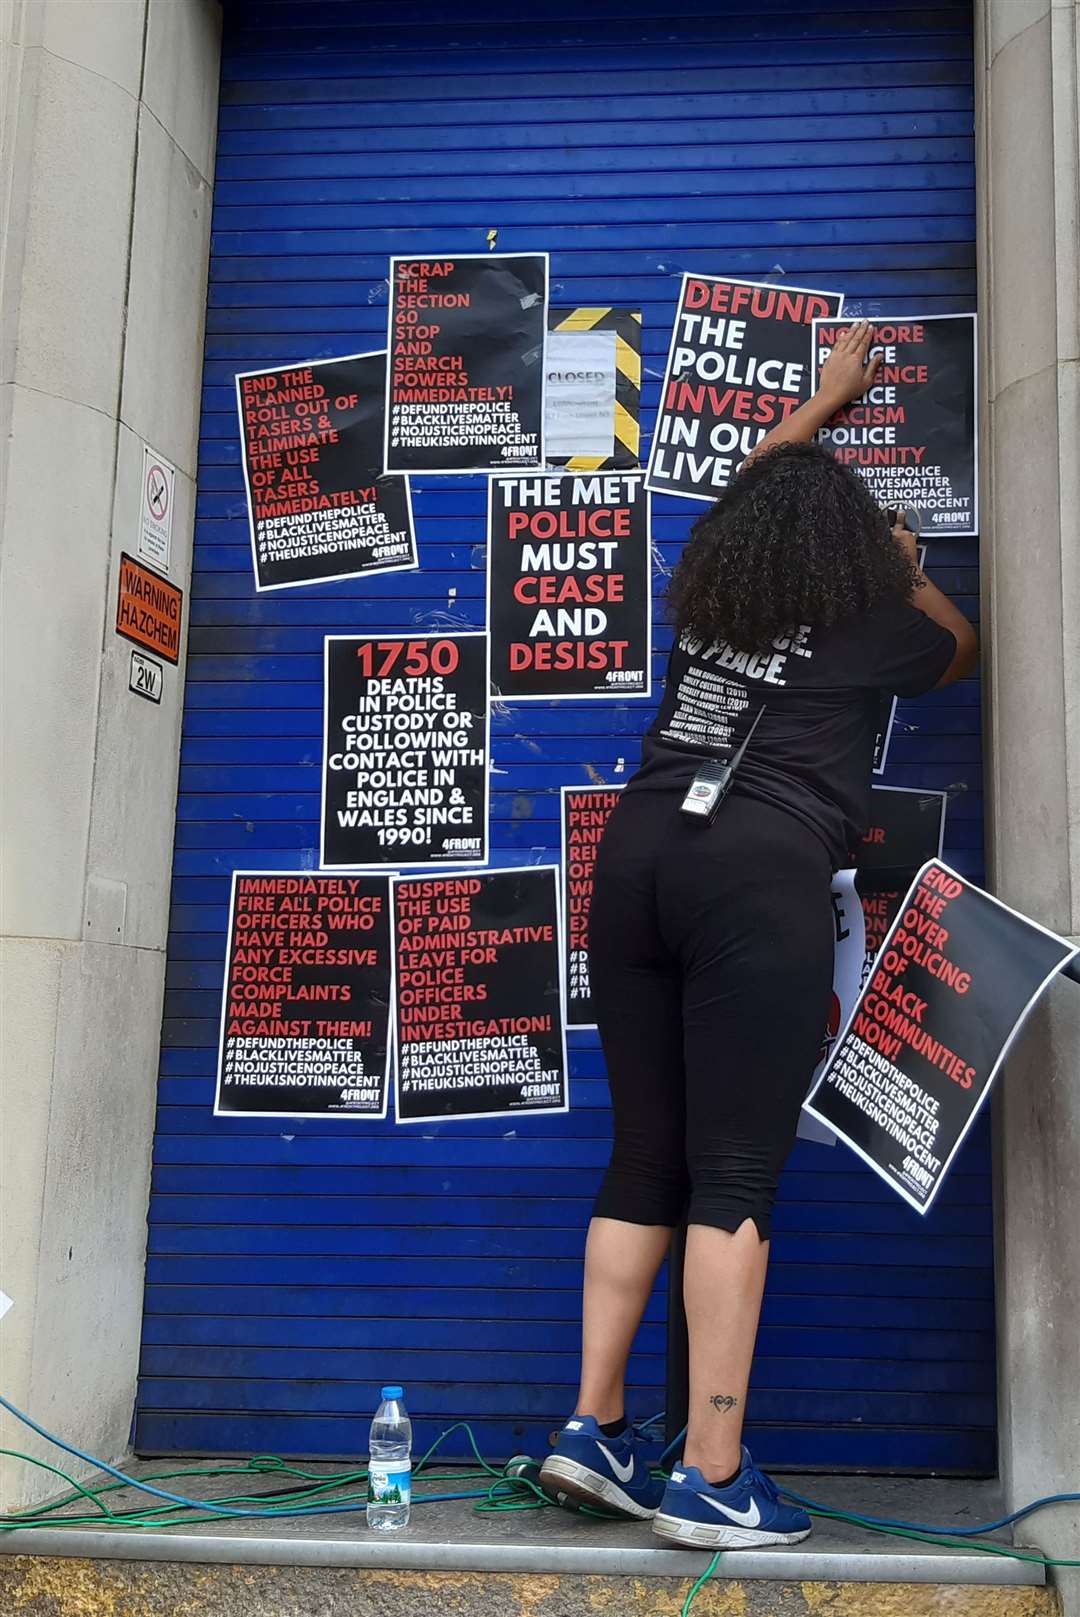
[[745, 1518], [623, 1472]]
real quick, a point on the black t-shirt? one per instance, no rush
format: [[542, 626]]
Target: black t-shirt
[[813, 751]]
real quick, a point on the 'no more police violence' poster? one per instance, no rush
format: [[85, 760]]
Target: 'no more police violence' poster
[[568, 585], [954, 979], [405, 750], [319, 503], [305, 1023], [912, 435], [465, 388], [478, 1012], [739, 362]]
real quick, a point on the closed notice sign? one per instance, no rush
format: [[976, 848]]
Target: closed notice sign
[[295, 1263]]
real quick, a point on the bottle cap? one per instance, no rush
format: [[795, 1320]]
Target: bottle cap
[[393, 1392]]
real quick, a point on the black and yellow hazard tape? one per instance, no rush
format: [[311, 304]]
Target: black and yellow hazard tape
[[626, 324]]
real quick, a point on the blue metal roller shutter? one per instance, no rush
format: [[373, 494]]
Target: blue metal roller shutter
[[293, 1266]]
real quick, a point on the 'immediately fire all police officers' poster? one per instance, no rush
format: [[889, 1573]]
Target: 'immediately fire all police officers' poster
[[912, 435], [585, 812], [568, 585], [305, 1019], [478, 1009], [319, 503], [955, 978], [405, 750], [465, 387], [739, 362]]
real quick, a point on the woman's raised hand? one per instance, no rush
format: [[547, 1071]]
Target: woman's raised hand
[[847, 373]]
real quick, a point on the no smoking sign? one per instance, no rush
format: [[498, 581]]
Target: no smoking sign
[[156, 509]]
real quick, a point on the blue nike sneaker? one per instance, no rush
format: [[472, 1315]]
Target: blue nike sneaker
[[747, 1514], [608, 1472]]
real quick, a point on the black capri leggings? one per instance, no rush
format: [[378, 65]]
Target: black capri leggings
[[711, 956]]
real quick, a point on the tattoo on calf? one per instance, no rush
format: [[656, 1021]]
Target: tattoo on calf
[[722, 1402]]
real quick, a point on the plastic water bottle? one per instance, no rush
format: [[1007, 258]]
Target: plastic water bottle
[[390, 1463]]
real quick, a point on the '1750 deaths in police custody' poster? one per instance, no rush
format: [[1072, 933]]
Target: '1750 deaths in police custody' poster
[[465, 388], [738, 364], [405, 750]]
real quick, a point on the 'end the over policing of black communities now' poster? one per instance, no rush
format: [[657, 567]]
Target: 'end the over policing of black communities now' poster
[[465, 387], [568, 585], [405, 750], [739, 362], [912, 435], [477, 1009], [305, 1024], [956, 976], [319, 503]]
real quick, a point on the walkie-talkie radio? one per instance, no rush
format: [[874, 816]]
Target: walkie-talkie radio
[[713, 781]]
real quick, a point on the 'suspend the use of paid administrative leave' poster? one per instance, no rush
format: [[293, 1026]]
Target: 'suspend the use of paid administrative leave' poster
[[319, 504], [478, 1022], [465, 387], [305, 1015], [739, 362], [569, 603], [405, 750]]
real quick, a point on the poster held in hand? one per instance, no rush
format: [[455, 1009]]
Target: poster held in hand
[[465, 380], [569, 602], [950, 988], [478, 1017], [584, 812], [305, 1015], [739, 363], [912, 435], [320, 506], [592, 379], [406, 743], [849, 957]]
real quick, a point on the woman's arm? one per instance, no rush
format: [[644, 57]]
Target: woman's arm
[[845, 375], [926, 597]]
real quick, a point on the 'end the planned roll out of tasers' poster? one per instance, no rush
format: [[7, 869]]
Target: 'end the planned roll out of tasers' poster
[[739, 362], [465, 384], [405, 750], [568, 585], [585, 813], [305, 1015], [478, 1021], [912, 435], [319, 504], [951, 985]]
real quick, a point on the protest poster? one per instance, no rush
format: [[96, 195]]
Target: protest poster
[[912, 435], [956, 976], [465, 382], [849, 955], [569, 598], [405, 750], [738, 363], [305, 1014], [907, 827], [592, 389], [319, 504], [584, 812], [478, 1017]]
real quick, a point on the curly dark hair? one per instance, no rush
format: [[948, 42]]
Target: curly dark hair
[[795, 538]]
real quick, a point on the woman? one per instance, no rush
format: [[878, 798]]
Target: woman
[[712, 943]]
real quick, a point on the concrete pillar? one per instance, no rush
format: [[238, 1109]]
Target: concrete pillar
[[1027, 82], [108, 146]]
